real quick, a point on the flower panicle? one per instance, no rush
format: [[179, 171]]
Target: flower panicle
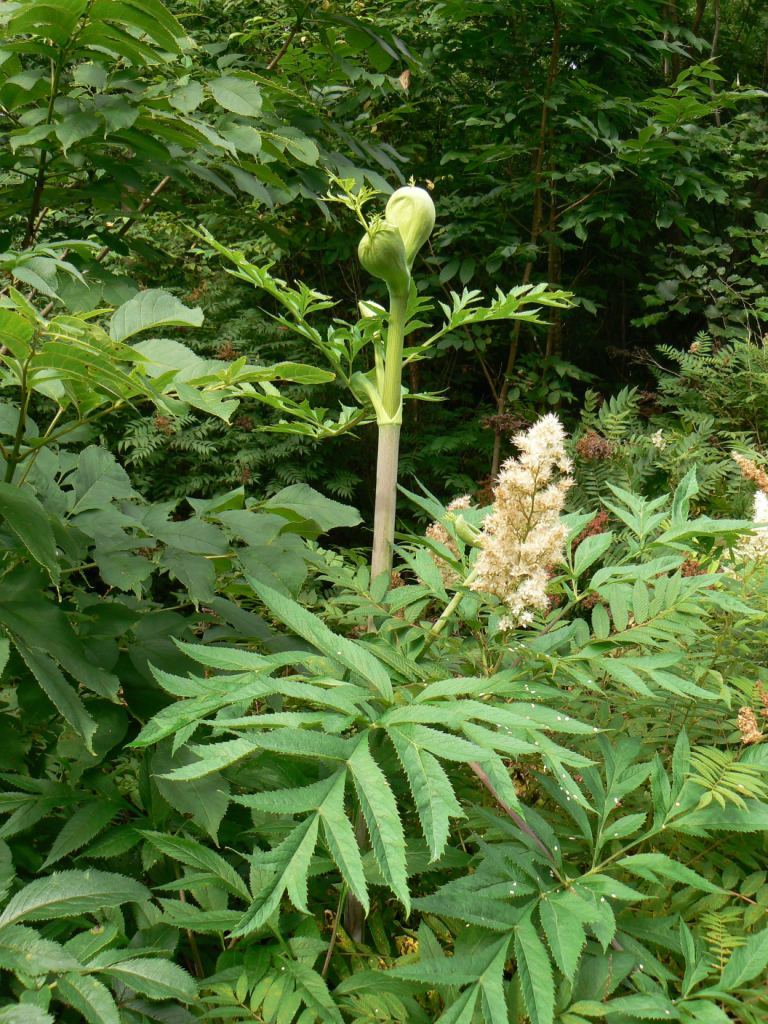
[[754, 547], [524, 536]]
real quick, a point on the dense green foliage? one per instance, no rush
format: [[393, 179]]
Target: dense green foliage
[[248, 774]]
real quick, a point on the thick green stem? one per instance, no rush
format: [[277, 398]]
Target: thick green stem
[[389, 420], [386, 499], [389, 440]]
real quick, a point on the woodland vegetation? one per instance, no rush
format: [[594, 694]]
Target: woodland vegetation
[[383, 511]]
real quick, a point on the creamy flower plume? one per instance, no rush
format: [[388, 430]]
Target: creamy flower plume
[[754, 547], [438, 533], [523, 535]]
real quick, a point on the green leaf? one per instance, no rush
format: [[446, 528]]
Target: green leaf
[[241, 95], [23, 951], [153, 977], [432, 791], [205, 799], [342, 842], [246, 138], [746, 962], [56, 688], [352, 655], [385, 829], [535, 972], [25, 1014], [303, 504], [15, 333], [290, 863], [462, 1011], [187, 98], [562, 917], [98, 480], [644, 1007], [84, 825], [314, 990], [76, 127], [590, 549], [491, 983], [89, 997], [648, 865], [150, 309], [69, 893], [194, 572], [27, 519], [195, 855], [304, 150]]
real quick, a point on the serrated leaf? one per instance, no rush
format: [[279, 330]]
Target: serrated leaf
[[314, 990], [195, 855], [353, 656], [23, 950], [562, 918], [58, 691], [644, 1007], [648, 865], [205, 799], [385, 829], [23, 514], [290, 862], [491, 983], [89, 997], [341, 839], [535, 972], [240, 95], [25, 1014], [462, 1010], [431, 788], [68, 893], [84, 825], [154, 977], [747, 961]]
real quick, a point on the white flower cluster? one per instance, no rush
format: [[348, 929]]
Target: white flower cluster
[[437, 532], [754, 547], [523, 536]]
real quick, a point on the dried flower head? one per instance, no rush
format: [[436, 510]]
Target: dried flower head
[[748, 727], [593, 447], [751, 471], [523, 535], [598, 524], [503, 423], [691, 567], [163, 424], [762, 695], [227, 351]]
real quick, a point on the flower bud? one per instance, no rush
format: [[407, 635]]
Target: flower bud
[[413, 211], [382, 254], [465, 531]]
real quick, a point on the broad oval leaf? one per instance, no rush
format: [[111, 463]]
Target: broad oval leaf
[[150, 309]]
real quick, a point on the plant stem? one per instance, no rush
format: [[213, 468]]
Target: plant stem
[[389, 441], [386, 500], [335, 932], [14, 456], [518, 820], [389, 420]]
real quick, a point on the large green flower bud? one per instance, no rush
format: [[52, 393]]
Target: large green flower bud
[[413, 211], [382, 254]]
